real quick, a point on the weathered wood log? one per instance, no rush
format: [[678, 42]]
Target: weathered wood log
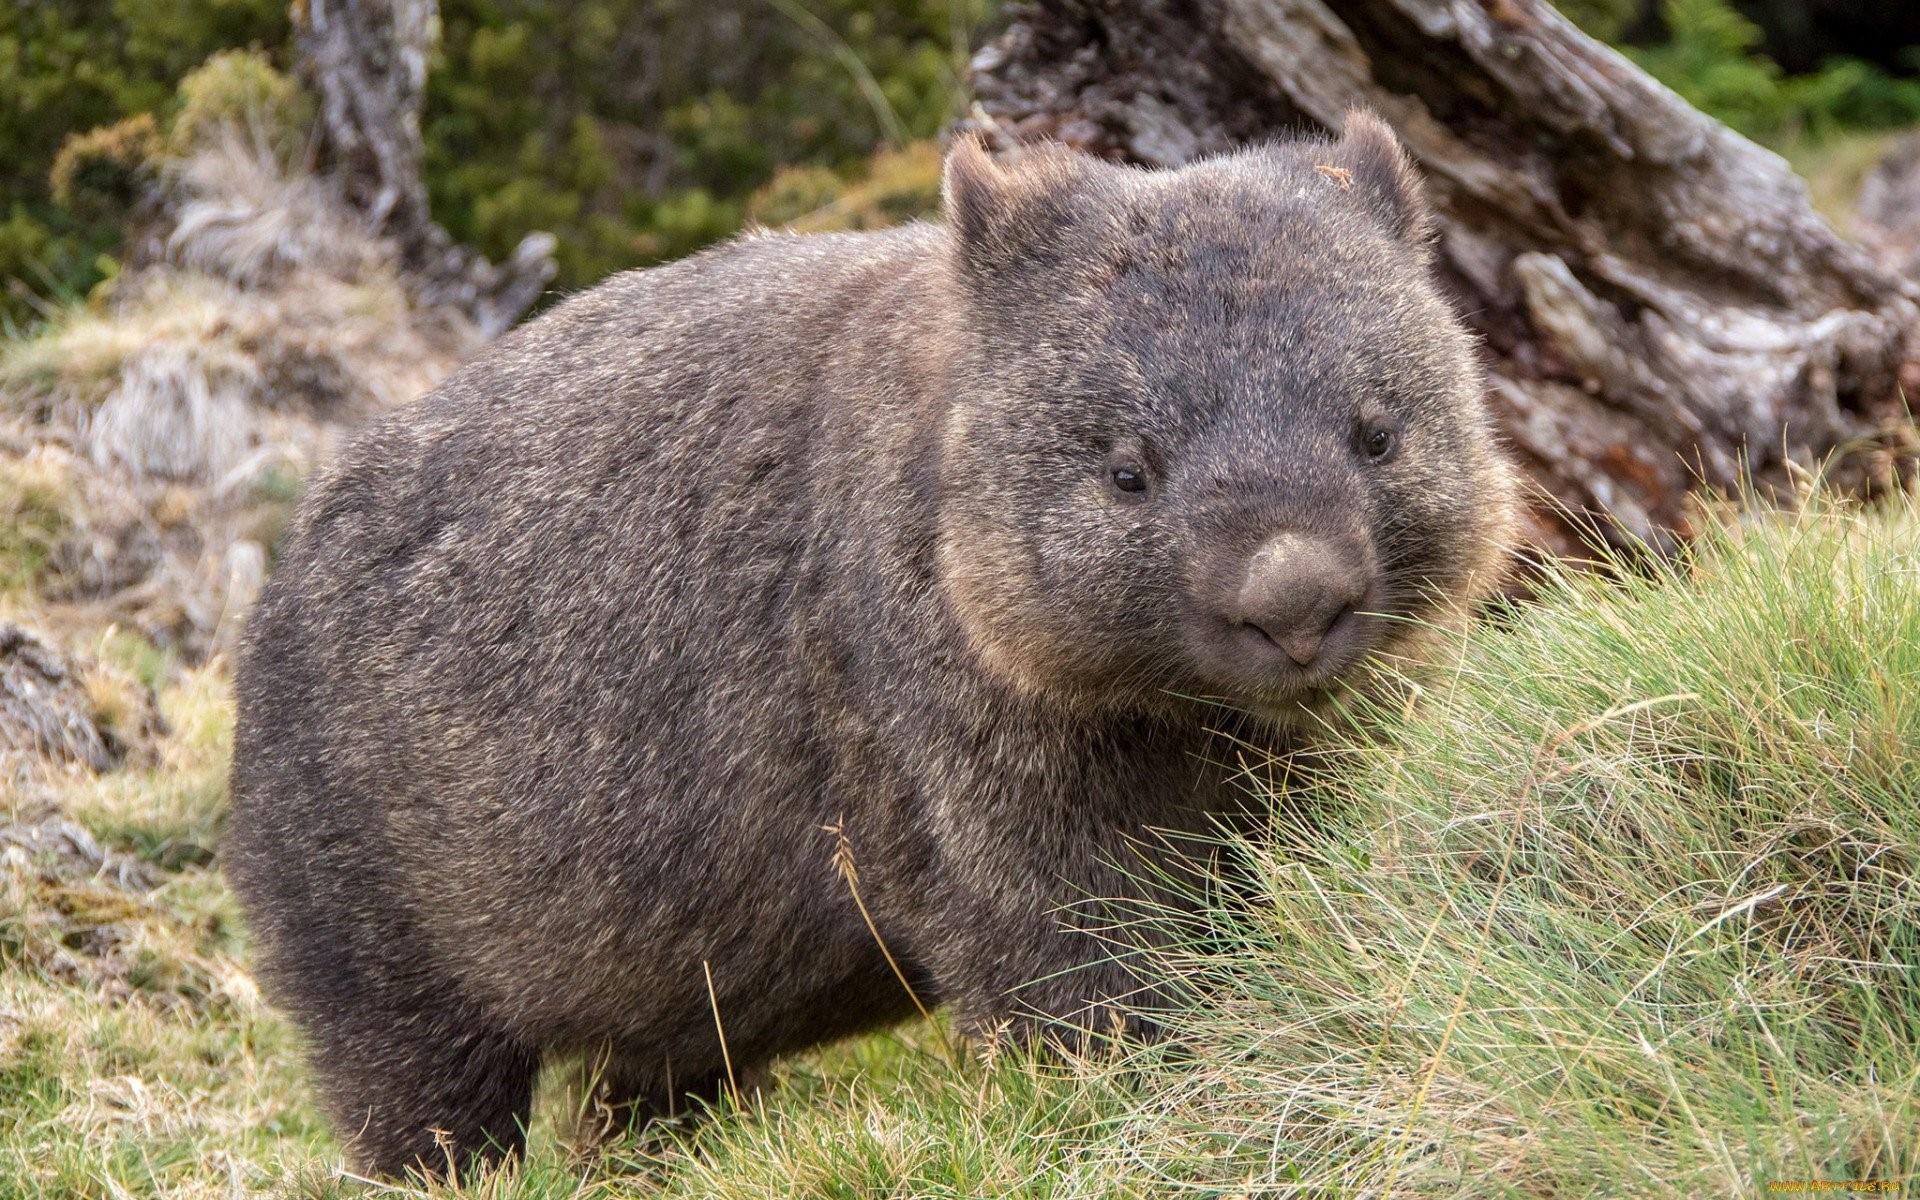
[[1662, 310], [1887, 214], [367, 62]]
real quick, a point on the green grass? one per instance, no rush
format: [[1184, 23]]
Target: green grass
[[1624, 904], [36, 499], [135, 1055]]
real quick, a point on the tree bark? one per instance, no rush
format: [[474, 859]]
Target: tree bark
[[1662, 311], [367, 61], [1887, 214]]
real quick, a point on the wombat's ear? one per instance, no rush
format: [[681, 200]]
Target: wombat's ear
[[1001, 212], [972, 187], [1378, 169]]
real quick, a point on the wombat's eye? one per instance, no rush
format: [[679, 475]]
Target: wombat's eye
[[1127, 472], [1376, 439]]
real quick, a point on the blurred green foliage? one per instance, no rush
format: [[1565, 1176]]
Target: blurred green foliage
[[100, 175], [68, 67], [636, 130], [896, 186], [1607, 20], [1710, 57], [640, 130], [240, 90]]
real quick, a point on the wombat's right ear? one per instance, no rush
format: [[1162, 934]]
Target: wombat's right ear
[[1000, 212], [973, 188]]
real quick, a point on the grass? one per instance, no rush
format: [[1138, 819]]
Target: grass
[[36, 493], [1624, 904], [135, 1056], [1628, 906]]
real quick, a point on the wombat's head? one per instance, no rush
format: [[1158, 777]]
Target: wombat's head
[[1214, 431]]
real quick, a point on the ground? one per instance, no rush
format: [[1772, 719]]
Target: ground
[[1621, 901]]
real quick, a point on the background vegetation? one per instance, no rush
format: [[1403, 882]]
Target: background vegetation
[[1710, 53], [640, 130], [635, 130]]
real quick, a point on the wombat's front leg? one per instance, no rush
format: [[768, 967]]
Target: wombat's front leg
[[1047, 939], [1093, 996]]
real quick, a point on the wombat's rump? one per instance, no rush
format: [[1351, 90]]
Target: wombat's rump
[[951, 537]]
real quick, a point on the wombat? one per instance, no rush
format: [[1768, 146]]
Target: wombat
[[946, 551]]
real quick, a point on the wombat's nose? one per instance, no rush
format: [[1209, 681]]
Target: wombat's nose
[[1296, 591]]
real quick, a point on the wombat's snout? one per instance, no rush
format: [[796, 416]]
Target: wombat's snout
[[1294, 603]]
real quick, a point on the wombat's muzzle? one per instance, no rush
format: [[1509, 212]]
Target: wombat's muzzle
[[1290, 613]]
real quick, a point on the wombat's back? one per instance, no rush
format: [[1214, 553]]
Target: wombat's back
[[523, 711]]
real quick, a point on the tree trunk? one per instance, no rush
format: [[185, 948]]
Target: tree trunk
[[1661, 308], [367, 61]]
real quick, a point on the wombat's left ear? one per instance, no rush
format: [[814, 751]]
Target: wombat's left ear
[[1384, 176]]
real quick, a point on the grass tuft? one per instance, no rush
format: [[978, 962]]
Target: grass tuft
[[1627, 904]]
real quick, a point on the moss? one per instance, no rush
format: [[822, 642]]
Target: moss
[[104, 173], [239, 91], [893, 187]]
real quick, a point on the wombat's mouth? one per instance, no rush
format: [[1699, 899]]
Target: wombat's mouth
[[1242, 661], [1271, 623]]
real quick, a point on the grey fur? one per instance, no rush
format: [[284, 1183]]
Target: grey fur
[[567, 668]]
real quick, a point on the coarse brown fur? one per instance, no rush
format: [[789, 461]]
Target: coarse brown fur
[[949, 536]]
